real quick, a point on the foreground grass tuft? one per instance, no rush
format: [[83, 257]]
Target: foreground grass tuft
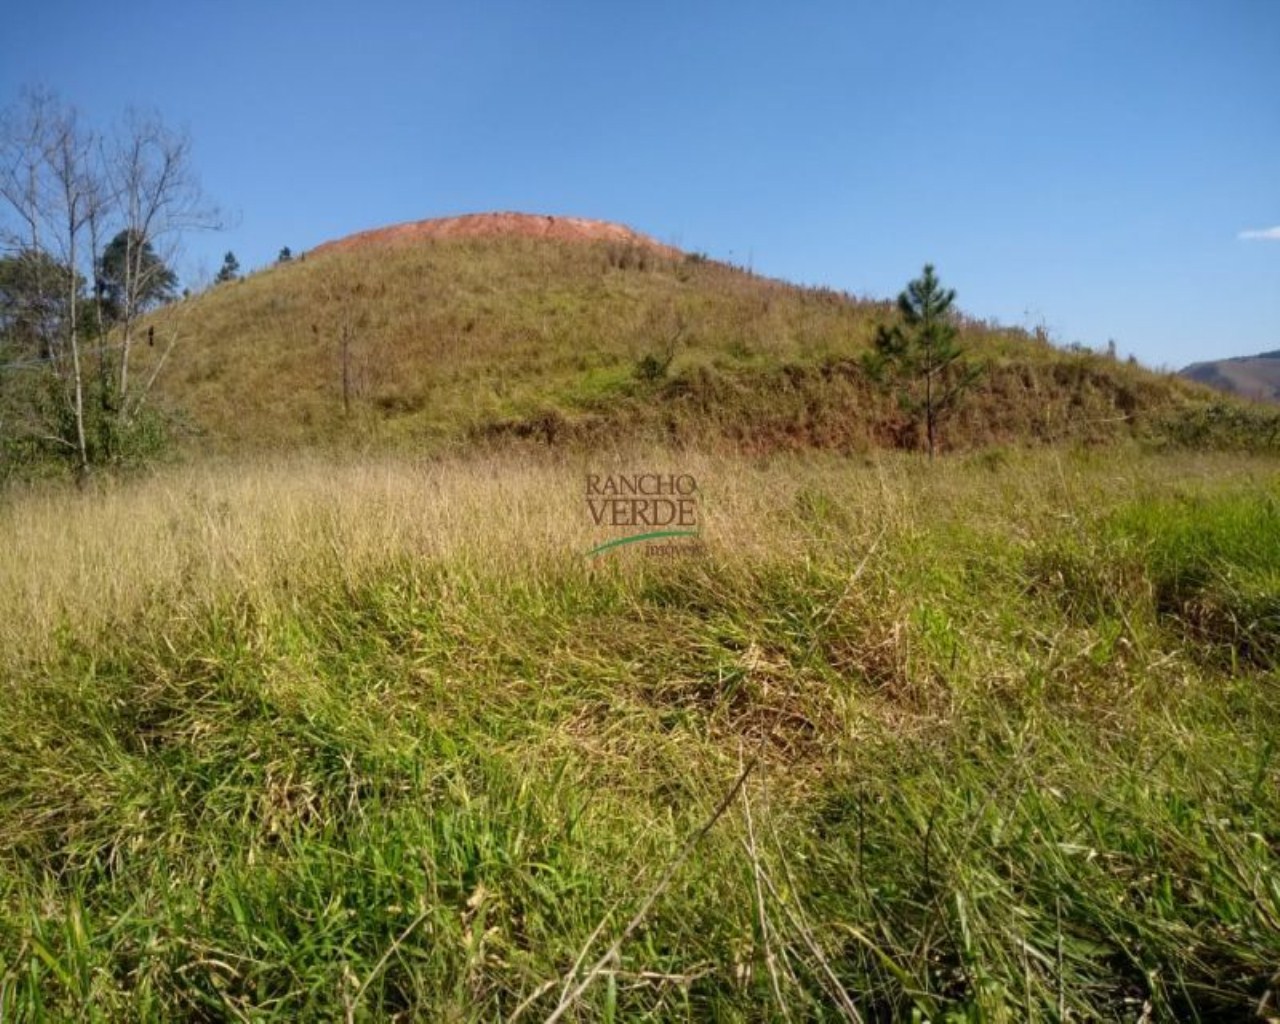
[[374, 742]]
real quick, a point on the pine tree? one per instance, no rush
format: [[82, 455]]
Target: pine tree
[[230, 269], [286, 254], [919, 356], [131, 277]]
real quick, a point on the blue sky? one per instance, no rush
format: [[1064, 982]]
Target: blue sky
[[1087, 165]]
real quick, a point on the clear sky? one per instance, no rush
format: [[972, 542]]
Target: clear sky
[[1088, 165]]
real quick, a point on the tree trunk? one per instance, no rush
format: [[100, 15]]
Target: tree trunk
[[126, 339], [82, 447], [928, 409]]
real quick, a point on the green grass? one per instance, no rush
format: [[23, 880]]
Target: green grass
[[374, 742]]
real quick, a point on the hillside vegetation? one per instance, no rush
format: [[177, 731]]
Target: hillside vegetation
[[371, 740], [449, 341]]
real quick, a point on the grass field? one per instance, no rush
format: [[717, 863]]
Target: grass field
[[372, 740]]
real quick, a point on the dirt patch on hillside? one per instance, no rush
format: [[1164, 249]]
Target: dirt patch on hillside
[[489, 225]]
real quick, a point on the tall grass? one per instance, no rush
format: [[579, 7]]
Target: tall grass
[[373, 740]]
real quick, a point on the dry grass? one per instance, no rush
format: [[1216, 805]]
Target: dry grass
[[83, 562], [448, 339]]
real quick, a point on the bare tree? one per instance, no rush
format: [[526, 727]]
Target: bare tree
[[79, 194], [50, 180], [65, 189], [24, 187], [341, 314], [158, 197]]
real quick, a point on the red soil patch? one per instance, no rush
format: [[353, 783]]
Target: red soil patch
[[489, 225]]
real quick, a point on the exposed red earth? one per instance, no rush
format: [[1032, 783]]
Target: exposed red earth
[[487, 225]]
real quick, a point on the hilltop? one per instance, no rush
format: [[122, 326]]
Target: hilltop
[[499, 326], [498, 225]]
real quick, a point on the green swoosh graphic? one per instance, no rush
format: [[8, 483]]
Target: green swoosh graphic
[[637, 538]]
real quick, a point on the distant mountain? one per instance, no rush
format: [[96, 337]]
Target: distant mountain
[[1247, 376]]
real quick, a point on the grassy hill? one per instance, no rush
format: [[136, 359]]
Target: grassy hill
[[451, 339]]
